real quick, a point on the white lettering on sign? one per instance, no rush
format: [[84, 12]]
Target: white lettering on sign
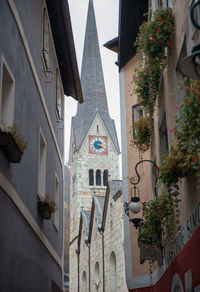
[[184, 235]]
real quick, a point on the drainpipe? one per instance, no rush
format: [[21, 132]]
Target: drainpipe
[[88, 245], [101, 230], [78, 278]]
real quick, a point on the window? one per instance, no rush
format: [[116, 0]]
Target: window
[[97, 276], [84, 282], [97, 128], [42, 166], [56, 214], [105, 177], [163, 138], [98, 177], [45, 48], [169, 3], [59, 96], [111, 215], [153, 177], [91, 177], [7, 96], [113, 274], [74, 184], [137, 111], [180, 92]]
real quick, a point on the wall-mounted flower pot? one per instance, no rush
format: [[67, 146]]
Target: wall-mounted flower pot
[[44, 210], [147, 252], [10, 148]]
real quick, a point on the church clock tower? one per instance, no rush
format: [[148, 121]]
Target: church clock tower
[[94, 148]]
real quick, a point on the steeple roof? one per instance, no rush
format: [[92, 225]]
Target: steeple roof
[[93, 87]]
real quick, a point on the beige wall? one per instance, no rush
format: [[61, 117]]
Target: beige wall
[[189, 195]]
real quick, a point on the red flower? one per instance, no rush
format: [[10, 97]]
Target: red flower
[[144, 22], [159, 17], [188, 101], [158, 168], [162, 22], [157, 30], [153, 39], [181, 149], [170, 44], [194, 159]]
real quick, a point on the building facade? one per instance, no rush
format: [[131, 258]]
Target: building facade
[[37, 67], [179, 268], [94, 161]]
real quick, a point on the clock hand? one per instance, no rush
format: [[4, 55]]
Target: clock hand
[[102, 145]]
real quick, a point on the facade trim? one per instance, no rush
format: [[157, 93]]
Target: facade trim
[[33, 68], [8, 188]]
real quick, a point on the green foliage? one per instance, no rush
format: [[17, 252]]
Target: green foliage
[[154, 36], [161, 217], [160, 220]]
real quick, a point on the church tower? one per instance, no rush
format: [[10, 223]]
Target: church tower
[[94, 148]]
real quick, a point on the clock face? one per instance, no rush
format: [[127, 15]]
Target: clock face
[[98, 144]]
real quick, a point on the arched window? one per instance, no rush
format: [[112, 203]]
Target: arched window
[[105, 177], [84, 282], [98, 177], [97, 276], [113, 272], [91, 177]]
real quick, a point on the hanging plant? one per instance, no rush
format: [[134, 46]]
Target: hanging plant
[[154, 36], [142, 134], [160, 220], [188, 126], [147, 85], [157, 34]]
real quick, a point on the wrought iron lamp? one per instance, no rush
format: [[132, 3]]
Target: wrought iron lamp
[[190, 65], [135, 204]]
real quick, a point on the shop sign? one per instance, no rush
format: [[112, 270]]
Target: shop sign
[[186, 232]]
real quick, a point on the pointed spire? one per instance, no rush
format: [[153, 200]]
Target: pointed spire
[[92, 79], [93, 87]]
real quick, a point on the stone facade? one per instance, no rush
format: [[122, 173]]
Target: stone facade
[[91, 169], [101, 245]]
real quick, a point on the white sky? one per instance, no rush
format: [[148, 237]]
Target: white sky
[[106, 12]]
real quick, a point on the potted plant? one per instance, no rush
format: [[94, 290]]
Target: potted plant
[[46, 207], [12, 143], [142, 134]]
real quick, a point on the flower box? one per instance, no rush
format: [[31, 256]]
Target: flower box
[[44, 210], [10, 148], [147, 252]]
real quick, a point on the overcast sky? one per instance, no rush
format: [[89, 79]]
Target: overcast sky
[[106, 12]]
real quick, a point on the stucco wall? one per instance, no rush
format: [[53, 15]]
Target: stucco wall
[[31, 113], [189, 194]]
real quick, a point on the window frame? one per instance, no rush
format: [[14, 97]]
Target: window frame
[[98, 177], [42, 166], [91, 177], [57, 199], [9, 120], [45, 38]]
